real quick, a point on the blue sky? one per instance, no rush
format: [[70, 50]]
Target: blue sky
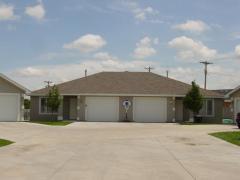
[[57, 39]]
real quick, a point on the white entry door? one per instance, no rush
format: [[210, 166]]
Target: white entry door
[[102, 109], [9, 107], [150, 109]]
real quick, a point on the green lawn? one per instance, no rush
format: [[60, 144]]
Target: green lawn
[[4, 142], [52, 123], [192, 123], [232, 137]]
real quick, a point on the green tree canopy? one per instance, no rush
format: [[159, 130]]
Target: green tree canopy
[[53, 99], [27, 104], [193, 99]]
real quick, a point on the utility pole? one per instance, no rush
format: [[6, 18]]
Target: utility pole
[[48, 83], [149, 68], [167, 73], [205, 63]]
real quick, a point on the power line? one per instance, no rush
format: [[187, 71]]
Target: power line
[[205, 63], [221, 74]]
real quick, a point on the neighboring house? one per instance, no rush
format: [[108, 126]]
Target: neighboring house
[[231, 102], [100, 97], [11, 99]]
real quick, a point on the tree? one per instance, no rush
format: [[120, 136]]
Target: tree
[[53, 99], [193, 99], [27, 104]]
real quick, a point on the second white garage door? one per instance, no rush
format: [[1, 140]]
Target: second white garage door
[[9, 107], [237, 107], [150, 109], [102, 109]]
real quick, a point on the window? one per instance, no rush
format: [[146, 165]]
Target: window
[[209, 107], [44, 109]]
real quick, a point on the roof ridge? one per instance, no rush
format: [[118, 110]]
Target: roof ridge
[[93, 75], [126, 82]]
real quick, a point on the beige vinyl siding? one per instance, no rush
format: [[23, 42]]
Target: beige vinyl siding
[[34, 113], [236, 94], [6, 87]]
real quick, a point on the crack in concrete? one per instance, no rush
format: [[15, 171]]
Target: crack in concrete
[[60, 167]]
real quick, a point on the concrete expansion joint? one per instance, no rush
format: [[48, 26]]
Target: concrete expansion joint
[[60, 167], [178, 161]]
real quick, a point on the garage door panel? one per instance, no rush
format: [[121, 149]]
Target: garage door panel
[[102, 109], [150, 109], [9, 105], [237, 108]]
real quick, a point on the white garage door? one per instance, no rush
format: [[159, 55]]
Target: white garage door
[[9, 107], [150, 109], [102, 109], [237, 107]]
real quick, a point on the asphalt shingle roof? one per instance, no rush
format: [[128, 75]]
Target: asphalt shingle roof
[[133, 83]]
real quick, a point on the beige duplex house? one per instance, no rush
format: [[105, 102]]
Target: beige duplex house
[[100, 97], [231, 102]]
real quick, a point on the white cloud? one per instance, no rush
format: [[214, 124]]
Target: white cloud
[[49, 56], [219, 76], [185, 74], [87, 43], [237, 51], [142, 14], [222, 77], [104, 56], [189, 49], [148, 13], [156, 41], [33, 77], [235, 35], [144, 47], [7, 12], [37, 11], [196, 26], [31, 72]]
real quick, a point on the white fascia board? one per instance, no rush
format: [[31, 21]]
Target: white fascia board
[[231, 92]]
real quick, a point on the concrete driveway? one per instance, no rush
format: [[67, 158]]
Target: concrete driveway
[[116, 151]]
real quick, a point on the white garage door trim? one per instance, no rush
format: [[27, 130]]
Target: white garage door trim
[[104, 104], [145, 110], [18, 104]]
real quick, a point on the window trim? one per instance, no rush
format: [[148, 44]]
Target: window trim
[[44, 113], [213, 108]]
